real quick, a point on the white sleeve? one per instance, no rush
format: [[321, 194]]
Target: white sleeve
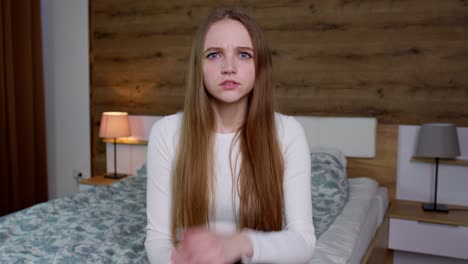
[[158, 242], [296, 242]]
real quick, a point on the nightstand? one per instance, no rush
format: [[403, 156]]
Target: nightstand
[[415, 230], [96, 180]]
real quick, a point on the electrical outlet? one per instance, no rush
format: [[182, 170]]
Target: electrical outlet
[[78, 175]]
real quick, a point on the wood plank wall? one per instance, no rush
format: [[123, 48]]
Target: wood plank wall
[[402, 61]]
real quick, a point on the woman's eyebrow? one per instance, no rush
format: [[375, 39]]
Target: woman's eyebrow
[[245, 48], [209, 49]]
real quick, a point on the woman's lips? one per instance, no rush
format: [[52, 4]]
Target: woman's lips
[[229, 85]]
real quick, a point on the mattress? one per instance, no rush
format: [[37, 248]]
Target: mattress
[[347, 239]]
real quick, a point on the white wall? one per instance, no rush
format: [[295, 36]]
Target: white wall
[[66, 80]]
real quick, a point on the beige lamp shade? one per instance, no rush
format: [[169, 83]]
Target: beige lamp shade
[[438, 140], [114, 125]]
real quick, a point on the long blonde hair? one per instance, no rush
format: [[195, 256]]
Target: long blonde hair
[[260, 181]]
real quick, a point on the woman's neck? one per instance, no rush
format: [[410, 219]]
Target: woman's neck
[[229, 117]]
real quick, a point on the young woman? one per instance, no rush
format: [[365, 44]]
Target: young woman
[[229, 179]]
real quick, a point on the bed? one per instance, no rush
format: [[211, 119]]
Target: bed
[[106, 224]]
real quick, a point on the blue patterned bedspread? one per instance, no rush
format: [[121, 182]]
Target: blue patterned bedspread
[[105, 224]]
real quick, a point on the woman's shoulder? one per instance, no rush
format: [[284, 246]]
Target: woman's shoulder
[[169, 121], [167, 125]]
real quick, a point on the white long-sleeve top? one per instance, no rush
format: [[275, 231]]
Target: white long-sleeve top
[[294, 244]]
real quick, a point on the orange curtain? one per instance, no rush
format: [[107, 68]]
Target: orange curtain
[[23, 168]]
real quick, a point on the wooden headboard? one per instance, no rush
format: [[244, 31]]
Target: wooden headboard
[[372, 152]]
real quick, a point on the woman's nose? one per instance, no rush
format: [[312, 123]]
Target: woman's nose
[[229, 66]]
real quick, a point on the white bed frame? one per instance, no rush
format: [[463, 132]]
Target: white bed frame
[[354, 136]]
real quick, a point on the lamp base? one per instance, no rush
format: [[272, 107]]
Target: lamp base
[[437, 208], [115, 176]]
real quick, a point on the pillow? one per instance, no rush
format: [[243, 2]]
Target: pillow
[[329, 187], [142, 171], [338, 154]]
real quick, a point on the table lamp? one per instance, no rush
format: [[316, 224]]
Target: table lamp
[[439, 141], [114, 125]]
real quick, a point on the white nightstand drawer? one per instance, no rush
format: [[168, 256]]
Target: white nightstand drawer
[[429, 238]]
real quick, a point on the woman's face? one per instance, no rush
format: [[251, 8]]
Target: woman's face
[[228, 64]]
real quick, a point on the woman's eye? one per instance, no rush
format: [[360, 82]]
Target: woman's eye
[[213, 55], [245, 55]]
